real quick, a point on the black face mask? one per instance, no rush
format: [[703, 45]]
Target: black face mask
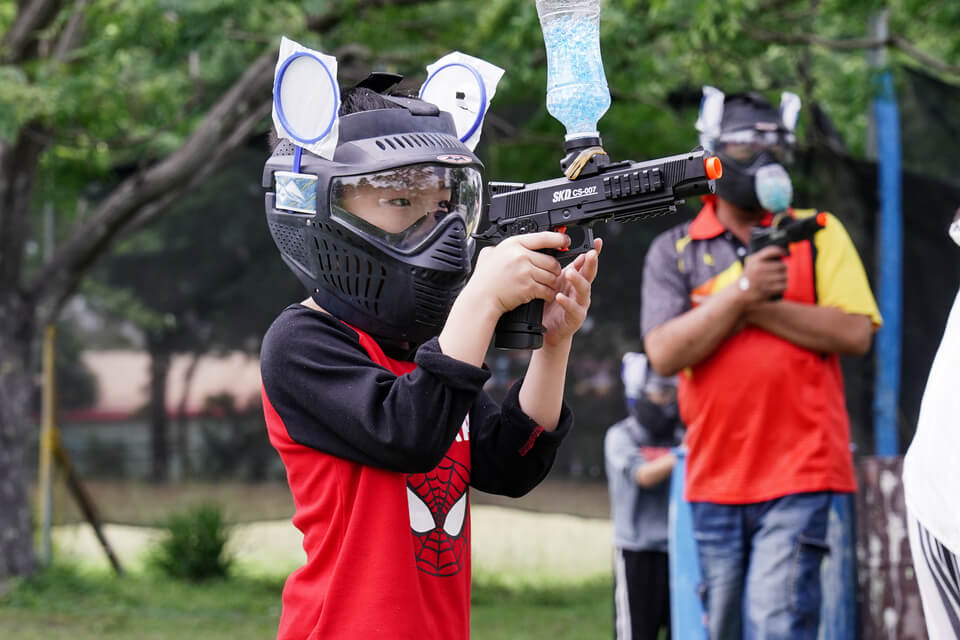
[[659, 421], [738, 184]]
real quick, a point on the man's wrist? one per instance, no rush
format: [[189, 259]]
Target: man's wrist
[[738, 295]]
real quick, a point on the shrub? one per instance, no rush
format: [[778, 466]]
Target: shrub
[[194, 546]]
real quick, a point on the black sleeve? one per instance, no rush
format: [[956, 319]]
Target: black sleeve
[[509, 453], [332, 397]]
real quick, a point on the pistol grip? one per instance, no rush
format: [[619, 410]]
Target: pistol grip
[[521, 328]]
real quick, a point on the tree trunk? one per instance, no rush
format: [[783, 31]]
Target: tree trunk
[[18, 163], [182, 445], [16, 431], [159, 425]]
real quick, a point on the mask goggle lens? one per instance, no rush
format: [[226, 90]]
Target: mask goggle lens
[[745, 145], [403, 206], [662, 393]]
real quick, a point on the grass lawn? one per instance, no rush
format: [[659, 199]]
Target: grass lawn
[[541, 571], [74, 604]]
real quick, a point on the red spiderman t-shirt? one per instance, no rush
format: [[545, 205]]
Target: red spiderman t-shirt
[[383, 507]]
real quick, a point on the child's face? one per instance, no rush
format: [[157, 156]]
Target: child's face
[[394, 209], [402, 206]]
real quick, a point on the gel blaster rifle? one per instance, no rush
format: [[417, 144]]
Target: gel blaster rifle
[[593, 190]]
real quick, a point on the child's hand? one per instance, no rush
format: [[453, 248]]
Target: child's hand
[[514, 272], [563, 315]]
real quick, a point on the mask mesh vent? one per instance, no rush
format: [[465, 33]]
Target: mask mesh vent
[[412, 141], [290, 240], [450, 250], [434, 295], [352, 274]]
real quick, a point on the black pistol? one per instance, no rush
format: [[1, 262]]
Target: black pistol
[[600, 190], [784, 231]]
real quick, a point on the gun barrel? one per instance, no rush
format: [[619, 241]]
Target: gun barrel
[[623, 191], [805, 228]]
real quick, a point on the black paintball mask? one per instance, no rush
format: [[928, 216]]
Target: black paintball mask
[[388, 247], [751, 138], [651, 401]]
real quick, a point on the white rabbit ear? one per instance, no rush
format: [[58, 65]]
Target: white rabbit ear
[[306, 98], [463, 86], [633, 372], [711, 114], [789, 110]]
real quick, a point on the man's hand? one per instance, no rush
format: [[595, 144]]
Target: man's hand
[[764, 276]]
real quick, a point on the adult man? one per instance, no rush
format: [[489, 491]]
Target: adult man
[[931, 475], [639, 460], [760, 389]]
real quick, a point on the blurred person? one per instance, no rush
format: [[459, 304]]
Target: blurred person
[[372, 392], [639, 459], [931, 479], [760, 385]]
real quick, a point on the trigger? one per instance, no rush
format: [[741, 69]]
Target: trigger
[[562, 229]]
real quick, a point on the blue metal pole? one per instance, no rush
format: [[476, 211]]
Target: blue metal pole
[[838, 575], [890, 268], [686, 609]]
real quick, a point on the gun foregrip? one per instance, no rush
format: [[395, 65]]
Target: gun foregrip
[[521, 328]]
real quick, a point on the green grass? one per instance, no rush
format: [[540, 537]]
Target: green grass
[[533, 611], [69, 603]]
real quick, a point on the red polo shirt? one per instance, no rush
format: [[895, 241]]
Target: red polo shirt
[[765, 417]]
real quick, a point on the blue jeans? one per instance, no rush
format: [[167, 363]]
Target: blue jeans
[[761, 566]]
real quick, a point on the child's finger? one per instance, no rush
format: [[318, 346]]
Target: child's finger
[[580, 285], [544, 276], [569, 305], [545, 262], [541, 240], [590, 265]]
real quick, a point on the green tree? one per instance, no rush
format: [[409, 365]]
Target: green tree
[[163, 88], [223, 283]]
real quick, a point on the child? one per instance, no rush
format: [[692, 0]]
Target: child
[[639, 460], [372, 386]]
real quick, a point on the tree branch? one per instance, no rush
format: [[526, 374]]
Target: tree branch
[[32, 17], [324, 22], [901, 43], [150, 192], [156, 184], [72, 32], [848, 44], [241, 133]]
